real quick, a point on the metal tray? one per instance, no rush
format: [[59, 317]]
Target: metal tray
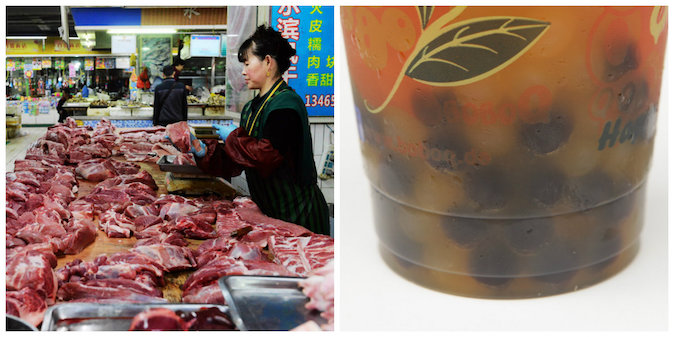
[[106, 317], [166, 164], [266, 302]]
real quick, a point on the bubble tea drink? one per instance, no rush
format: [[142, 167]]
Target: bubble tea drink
[[507, 147]]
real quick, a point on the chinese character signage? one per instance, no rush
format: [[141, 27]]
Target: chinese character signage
[[23, 46], [309, 29]]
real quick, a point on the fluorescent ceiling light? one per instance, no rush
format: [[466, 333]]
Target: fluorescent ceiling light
[[26, 38], [140, 30]]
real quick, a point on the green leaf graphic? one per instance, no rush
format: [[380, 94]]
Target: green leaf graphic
[[473, 49], [425, 13]]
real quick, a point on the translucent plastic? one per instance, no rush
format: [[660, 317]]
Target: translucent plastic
[[507, 147]]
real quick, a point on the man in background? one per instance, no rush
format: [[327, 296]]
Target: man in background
[[170, 100]]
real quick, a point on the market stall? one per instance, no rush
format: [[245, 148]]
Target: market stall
[[89, 214]]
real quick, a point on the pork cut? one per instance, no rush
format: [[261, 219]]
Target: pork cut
[[136, 147], [96, 169], [143, 177], [31, 267], [179, 133], [47, 148], [133, 211], [116, 225], [26, 304], [171, 257], [211, 294], [81, 153], [173, 238], [100, 289], [301, 255], [164, 149]]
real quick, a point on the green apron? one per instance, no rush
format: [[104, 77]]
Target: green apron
[[300, 202]]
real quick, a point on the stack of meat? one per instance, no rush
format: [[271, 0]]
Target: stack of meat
[[30, 281], [40, 222], [45, 218], [250, 243], [144, 144], [133, 276]]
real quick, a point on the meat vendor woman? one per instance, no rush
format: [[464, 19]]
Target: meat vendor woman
[[273, 144]]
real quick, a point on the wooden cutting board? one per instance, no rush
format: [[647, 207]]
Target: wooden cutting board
[[105, 245]]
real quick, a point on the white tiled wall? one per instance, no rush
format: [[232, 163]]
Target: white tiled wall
[[322, 137]]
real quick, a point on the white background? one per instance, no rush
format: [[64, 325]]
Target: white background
[[372, 297]]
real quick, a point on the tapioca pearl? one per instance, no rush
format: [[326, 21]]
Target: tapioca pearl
[[427, 108], [592, 189], [487, 187], [629, 62], [494, 264], [467, 232], [527, 236], [445, 148], [543, 138], [555, 264], [626, 96]]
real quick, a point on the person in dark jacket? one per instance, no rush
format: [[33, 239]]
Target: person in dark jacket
[[273, 144], [170, 100], [65, 96]]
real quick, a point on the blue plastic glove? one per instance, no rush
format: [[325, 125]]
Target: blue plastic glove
[[193, 150], [224, 130]]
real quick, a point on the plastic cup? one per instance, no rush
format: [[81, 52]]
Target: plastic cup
[[507, 147]]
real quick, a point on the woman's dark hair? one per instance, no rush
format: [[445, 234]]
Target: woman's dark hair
[[267, 41]]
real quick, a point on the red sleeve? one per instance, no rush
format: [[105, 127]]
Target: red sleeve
[[216, 162], [252, 153]]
